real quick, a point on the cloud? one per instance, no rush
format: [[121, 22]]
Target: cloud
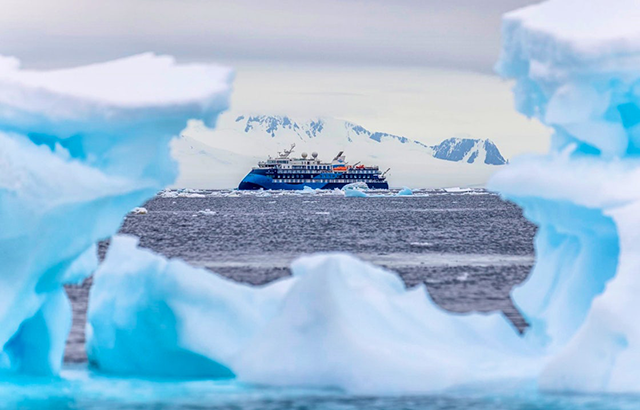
[[456, 33]]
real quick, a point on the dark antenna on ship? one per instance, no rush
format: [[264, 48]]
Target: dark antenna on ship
[[385, 172]]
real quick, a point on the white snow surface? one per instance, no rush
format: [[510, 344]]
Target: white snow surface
[[561, 34], [140, 81]]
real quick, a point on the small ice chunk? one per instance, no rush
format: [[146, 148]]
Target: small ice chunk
[[355, 190], [207, 212], [405, 192]]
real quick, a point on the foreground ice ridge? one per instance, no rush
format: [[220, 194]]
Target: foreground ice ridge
[[337, 322], [577, 69], [79, 148]]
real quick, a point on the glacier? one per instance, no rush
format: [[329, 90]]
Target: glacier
[[79, 148]]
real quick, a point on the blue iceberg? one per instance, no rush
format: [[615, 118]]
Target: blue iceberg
[[80, 148], [337, 322], [577, 70], [405, 192]]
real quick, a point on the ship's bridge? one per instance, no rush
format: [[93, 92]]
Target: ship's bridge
[[305, 167]]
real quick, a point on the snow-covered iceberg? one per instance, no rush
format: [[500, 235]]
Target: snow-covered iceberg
[[337, 322], [79, 148], [577, 70]]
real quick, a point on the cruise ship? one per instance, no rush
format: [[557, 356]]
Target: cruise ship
[[286, 172]]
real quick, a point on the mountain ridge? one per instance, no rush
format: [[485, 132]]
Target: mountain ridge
[[450, 149]]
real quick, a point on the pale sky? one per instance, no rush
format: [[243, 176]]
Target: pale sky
[[418, 68]]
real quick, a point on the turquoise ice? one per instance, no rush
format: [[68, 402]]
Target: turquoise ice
[[79, 148], [577, 70]]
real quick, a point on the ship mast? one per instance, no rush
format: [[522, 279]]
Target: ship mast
[[287, 152]]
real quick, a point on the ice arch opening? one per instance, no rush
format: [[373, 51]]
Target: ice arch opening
[[577, 251]]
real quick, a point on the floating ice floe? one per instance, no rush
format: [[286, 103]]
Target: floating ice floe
[[79, 148], [192, 193], [355, 190], [182, 193], [457, 190], [405, 192], [309, 190]]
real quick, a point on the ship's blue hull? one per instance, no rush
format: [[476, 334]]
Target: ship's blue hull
[[256, 180]]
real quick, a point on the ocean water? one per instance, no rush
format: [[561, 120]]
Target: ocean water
[[469, 248]]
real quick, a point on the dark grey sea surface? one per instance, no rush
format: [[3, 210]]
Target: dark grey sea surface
[[469, 248]]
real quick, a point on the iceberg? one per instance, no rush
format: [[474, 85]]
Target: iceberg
[[577, 70], [139, 211], [337, 322], [151, 317], [79, 148], [355, 190], [405, 192]]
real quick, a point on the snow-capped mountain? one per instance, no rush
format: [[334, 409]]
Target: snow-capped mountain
[[220, 158], [469, 150], [453, 149]]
